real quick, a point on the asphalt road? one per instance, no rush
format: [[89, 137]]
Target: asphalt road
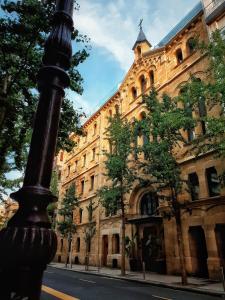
[[93, 287]]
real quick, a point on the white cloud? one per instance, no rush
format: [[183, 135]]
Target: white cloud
[[112, 25]]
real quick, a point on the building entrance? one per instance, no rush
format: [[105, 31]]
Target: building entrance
[[198, 251], [153, 253]]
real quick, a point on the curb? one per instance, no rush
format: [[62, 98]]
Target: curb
[[154, 283]]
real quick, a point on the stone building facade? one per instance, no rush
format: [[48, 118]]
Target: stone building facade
[[167, 66]]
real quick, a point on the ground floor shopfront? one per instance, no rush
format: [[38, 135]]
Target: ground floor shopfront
[[154, 241]]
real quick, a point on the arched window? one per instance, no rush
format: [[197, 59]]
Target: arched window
[[139, 52], [149, 204], [143, 84], [110, 113], [179, 56], [190, 46], [152, 78], [134, 93], [213, 182]]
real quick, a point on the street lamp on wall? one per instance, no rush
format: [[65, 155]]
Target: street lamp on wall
[[28, 243]]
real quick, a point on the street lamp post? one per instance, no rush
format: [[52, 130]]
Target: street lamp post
[[28, 243]]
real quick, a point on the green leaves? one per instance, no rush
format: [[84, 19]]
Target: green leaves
[[162, 125], [67, 227], [24, 26], [117, 164]]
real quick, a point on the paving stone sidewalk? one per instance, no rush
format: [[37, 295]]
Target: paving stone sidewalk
[[200, 285]]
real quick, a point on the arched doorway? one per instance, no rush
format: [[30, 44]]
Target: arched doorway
[[198, 251], [153, 253]]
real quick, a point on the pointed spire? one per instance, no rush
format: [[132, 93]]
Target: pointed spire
[[141, 36]]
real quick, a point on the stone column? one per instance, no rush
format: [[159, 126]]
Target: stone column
[[213, 260], [203, 193]]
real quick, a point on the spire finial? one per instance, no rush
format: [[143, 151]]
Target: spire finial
[[140, 24]]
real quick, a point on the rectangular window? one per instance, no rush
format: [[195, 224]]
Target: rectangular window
[[80, 215], [76, 165], [78, 245], [84, 160], [92, 182], [93, 153], [213, 182], [82, 186], [193, 186], [68, 170]]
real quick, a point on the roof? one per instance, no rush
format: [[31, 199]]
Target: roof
[[141, 38], [181, 25]]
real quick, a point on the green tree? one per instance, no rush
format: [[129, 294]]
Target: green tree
[[24, 26], [66, 226], [118, 172], [52, 207], [206, 96], [89, 231], [159, 168]]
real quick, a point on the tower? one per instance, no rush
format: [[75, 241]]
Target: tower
[[141, 45]]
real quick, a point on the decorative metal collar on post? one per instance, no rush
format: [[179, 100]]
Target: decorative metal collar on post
[[28, 243]]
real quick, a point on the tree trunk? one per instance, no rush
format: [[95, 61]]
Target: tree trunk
[[181, 248], [68, 252], [86, 258], [71, 252], [123, 271]]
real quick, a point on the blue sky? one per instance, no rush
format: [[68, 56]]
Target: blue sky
[[112, 26]]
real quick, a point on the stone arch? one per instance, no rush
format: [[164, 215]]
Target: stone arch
[[136, 196]]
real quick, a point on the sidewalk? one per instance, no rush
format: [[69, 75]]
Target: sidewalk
[[199, 285]]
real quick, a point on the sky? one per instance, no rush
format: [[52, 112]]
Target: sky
[[112, 26]]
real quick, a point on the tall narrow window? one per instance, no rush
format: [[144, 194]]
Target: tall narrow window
[[202, 113], [193, 185], [92, 182], [95, 129], [76, 166], [93, 153], [80, 215], [139, 52], [84, 160], [179, 56], [190, 46], [143, 84], [116, 243], [213, 182], [134, 93], [82, 186], [78, 245], [152, 79], [68, 170]]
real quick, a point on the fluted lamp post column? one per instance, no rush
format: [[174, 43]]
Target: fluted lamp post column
[[28, 243]]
